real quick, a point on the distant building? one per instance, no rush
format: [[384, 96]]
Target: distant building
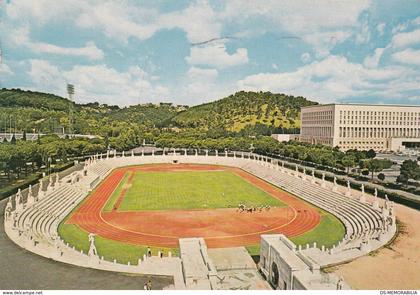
[[285, 137], [362, 127]]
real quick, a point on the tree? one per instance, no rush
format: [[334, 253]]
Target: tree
[[381, 176], [365, 172], [371, 154], [410, 170], [375, 165], [348, 161]]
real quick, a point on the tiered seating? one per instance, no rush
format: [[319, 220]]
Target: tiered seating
[[100, 168], [360, 219], [41, 219]]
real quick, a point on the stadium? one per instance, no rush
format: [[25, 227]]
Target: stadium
[[201, 219]]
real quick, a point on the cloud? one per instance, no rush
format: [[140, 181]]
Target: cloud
[[305, 57], [306, 19], [325, 41], [373, 60], [334, 78], [202, 85], [198, 20], [121, 20], [416, 21], [45, 75], [101, 82], [200, 73], [5, 70], [363, 36], [403, 40], [407, 56], [381, 28], [20, 37], [215, 55]]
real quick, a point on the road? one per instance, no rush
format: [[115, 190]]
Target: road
[[22, 270]]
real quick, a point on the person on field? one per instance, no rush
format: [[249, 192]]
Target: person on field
[[149, 252]]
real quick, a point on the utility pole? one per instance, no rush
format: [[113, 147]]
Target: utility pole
[[70, 91]]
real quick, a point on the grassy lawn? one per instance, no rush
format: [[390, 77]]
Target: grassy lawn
[[109, 249], [191, 190], [328, 232], [111, 201]]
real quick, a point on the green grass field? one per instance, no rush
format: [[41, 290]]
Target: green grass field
[[328, 232], [189, 190], [109, 249]]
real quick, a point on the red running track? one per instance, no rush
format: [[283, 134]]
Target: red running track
[[219, 227]]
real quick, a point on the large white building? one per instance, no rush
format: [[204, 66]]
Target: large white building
[[362, 127]]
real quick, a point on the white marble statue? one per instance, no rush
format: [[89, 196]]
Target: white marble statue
[[18, 200], [92, 247], [8, 210]]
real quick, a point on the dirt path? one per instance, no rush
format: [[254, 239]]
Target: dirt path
[[394, 267]]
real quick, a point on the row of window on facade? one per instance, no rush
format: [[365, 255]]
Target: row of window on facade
[[378, 132]]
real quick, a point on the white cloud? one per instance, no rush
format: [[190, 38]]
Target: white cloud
[[322, 23], [45, 75], [202, 85], [416, 21], [5, 69], [20, 37], [381, 28], [215, 55], [325, 41], [99, 82], [198, 20], [403, 40], [121, 20], [407, 56], [334, 78], [363, 36], [200, 73], [305, 57], [373, 60], [399, 28]]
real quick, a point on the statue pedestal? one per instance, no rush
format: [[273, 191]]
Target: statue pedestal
[[375, 205]]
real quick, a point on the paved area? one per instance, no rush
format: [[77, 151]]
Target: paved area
[[24, 270]]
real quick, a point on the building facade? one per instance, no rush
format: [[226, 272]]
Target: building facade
[[362, 127]]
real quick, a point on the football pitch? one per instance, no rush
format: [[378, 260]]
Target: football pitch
[[173, 190]]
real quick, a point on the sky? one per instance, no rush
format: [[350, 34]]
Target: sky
[[189, 52]]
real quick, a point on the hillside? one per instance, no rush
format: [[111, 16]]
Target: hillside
[[43, 112], [243, 109], [248, 112]]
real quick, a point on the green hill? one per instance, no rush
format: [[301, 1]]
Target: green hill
[[243, 109], [43, 112], [263, 112]]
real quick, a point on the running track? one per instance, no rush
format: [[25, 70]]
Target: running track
[[219, 227]]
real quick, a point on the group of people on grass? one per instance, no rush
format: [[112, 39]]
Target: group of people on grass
[[245, 208]]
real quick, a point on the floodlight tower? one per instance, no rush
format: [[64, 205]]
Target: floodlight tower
[[70, 91]]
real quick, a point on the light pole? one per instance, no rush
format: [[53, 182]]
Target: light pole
[[70, 91]]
